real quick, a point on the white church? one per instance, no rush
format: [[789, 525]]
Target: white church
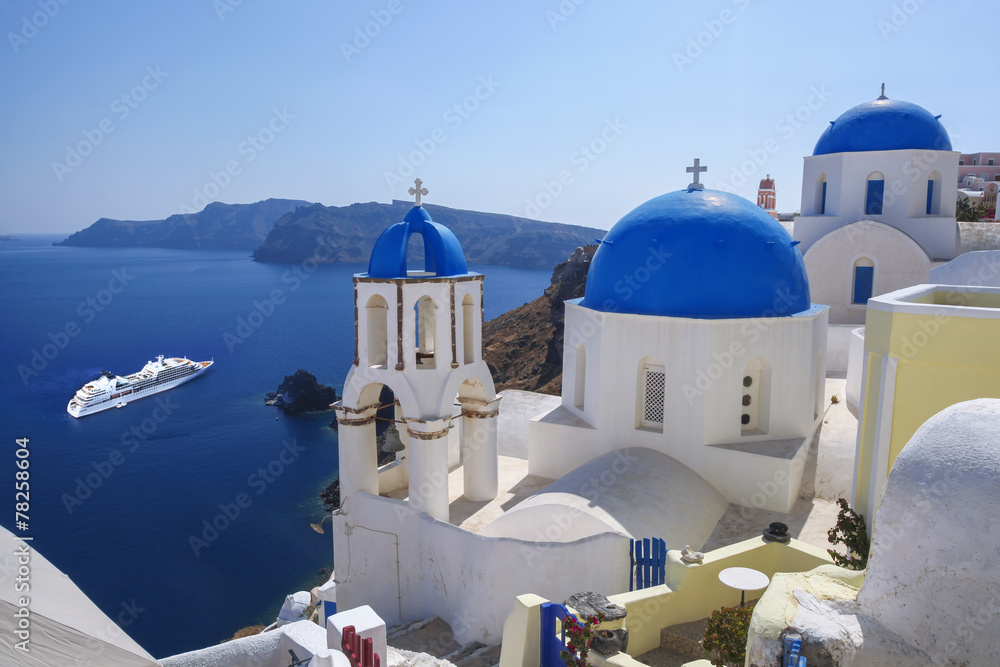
[[878, 205], [693, 369]]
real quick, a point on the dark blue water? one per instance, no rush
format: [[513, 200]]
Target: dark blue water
[[118, 498]]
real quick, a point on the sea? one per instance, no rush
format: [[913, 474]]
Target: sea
[[184, 516]]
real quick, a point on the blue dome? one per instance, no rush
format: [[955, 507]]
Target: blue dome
[[701, 254], [443, 254], [884, 125]]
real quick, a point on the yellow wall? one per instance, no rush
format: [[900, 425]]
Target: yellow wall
[[943, 359]]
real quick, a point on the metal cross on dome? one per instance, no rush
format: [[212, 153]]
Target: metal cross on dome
[[418, 190], [696, 170]]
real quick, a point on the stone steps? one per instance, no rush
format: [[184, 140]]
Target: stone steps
[[685, 639], [434, 637]]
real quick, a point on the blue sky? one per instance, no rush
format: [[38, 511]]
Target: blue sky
[[572, 111]]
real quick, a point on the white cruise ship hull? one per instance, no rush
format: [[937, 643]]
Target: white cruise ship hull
[[112, 391]]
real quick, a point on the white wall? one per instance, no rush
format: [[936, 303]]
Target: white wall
[[906, 174], [899, 262], [980, 268], [705, 362], [408, 566]]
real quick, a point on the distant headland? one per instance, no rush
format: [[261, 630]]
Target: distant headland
[[291, 231]]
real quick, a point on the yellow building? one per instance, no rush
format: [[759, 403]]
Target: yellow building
[[926, 347]]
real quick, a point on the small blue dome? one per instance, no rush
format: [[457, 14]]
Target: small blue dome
[[884, 125], [700, 254], [443, 255]]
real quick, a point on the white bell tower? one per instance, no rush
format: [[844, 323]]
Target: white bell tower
[[419, 333]]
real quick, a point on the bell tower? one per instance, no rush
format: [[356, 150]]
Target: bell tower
[[419, 332]]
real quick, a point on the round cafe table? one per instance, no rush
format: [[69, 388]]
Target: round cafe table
[[743, 579]]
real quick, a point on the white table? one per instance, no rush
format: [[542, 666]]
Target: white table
[[743, 579]]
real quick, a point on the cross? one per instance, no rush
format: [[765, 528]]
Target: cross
[[882, 96], [418, 190], [696, 170]]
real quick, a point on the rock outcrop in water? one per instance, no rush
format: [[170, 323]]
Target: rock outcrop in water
[[300, 393]]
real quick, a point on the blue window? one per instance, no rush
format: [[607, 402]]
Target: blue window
[[873, 205], [864, 277], [822, 200], [930, 197]]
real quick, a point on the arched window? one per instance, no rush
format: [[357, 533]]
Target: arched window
[[652, 393], [874, 193], [755, 398], [821, 195], [933, 193], [580, 383], [426, 320], [864, 281], [468, 329], [376, 322]]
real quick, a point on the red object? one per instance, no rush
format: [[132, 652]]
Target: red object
[[361, 653]]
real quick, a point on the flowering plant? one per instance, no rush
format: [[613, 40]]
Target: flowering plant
[[579, 638]]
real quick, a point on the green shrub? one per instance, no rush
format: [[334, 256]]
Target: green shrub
[[852, 533], [726, 636]]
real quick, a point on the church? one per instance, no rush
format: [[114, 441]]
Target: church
[[693, 379]]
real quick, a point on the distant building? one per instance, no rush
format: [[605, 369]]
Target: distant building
[[766, 196], [981, 165]]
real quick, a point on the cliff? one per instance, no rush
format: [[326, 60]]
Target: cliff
[[348, 233], [218, 227], [523, 347]]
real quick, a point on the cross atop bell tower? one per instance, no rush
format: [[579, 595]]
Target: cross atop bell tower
[[418, 190]]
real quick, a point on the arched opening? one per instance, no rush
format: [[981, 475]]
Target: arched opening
[[755, 401], [469, 329], [376, 324], [580, 377], [652, 392], [864, 281], [416, 255], [874, 193], [426, 321], [821, 195], [933, 193]]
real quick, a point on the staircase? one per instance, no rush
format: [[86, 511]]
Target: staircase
[[434, 637], [679, 645]]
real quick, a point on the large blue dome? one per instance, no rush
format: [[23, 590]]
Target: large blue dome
[[884, 125], [700, 254], [443, 255]]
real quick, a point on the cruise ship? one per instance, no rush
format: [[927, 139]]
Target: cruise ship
[[110, 390]]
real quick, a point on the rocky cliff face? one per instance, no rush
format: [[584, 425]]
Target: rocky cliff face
[[348, 234], [523, 347], [218, 227]]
